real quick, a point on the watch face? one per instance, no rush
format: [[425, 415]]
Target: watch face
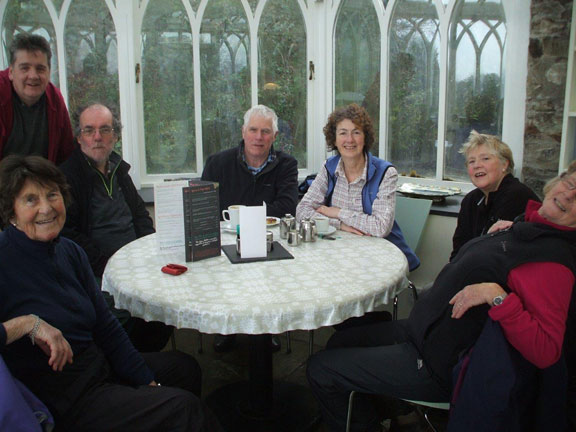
[[498, 300]]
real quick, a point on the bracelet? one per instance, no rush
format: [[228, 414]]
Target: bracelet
[[34, 330]]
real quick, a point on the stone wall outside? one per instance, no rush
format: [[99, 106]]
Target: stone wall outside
[[545, 89]]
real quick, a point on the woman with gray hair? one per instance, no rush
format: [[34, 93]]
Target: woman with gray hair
[[498, 194], [57, 334]]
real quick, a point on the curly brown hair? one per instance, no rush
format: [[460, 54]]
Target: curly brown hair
[[357, 115], [16, 169]]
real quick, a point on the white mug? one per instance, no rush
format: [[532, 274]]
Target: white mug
[[322, 223], [232, 215]]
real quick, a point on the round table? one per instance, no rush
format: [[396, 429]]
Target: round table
[[327, 282]]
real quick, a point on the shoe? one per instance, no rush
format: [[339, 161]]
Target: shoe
[[275, 343], [224, 343]]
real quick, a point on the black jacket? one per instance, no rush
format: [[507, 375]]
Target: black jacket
[[489, 258], [276, 184], [476, 217], [81, 178]]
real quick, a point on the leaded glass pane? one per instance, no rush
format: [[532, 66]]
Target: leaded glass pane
[[282, 73], [225, 71], [91, 54], [30, 16], [475, 86], [413, 73], [168, 87], [357, 59]]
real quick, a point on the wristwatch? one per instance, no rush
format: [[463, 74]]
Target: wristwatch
[[497, 301]]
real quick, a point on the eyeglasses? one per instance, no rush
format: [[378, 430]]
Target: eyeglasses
[[567, 181], [105, 131]]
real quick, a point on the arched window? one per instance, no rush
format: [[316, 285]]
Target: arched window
[[429, 70], [357, 59], [91, 54], [31, 17], [225, 74], [282, 73], [168, 88], [475, 78], [413, 72]]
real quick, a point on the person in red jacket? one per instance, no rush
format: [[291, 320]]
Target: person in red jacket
[[34, 119]]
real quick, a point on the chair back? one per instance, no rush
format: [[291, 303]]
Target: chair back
[[411, 215]]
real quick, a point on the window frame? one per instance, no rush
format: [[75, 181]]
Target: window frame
[[319, 18]]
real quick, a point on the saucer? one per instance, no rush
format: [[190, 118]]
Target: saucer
[[331, 230], [226, 227]]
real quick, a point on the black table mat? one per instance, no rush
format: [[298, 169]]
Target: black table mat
[[277, 253]]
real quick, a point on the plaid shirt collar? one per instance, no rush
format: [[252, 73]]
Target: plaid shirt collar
[[340, 171], [256, 170]]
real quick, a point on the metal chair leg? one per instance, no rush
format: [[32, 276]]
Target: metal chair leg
[[425, 413], [350, 406], [414, 290]]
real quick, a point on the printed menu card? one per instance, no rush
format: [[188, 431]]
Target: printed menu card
[[187, 218], [201, 220]]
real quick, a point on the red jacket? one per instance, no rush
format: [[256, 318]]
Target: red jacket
[[533, 317], [60, 136]]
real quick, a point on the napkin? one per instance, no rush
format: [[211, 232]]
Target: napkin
[[253, 231]]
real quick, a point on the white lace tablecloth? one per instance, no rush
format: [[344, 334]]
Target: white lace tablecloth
[[326, 283]]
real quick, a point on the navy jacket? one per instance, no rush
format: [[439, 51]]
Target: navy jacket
[[501, 391], [374, 175]]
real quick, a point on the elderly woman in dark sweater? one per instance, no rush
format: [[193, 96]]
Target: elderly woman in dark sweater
[[77, 358], [498, 194]]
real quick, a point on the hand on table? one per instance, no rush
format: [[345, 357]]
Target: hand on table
[[474, 295], [54, 344]]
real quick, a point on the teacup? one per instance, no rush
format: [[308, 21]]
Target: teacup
[[232, 215], [322, 223]]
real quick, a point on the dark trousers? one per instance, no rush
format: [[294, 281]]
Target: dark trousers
[[174, 406], [371, 359]]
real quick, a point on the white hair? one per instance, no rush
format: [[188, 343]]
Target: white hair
[[262, 111]]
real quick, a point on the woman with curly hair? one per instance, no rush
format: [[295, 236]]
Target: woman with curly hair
[[355, 190]]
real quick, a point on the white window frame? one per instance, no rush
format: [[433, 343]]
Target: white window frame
[[320, 17]]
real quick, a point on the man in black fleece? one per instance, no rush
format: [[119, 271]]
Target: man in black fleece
[[252, 173], [106, 211]]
